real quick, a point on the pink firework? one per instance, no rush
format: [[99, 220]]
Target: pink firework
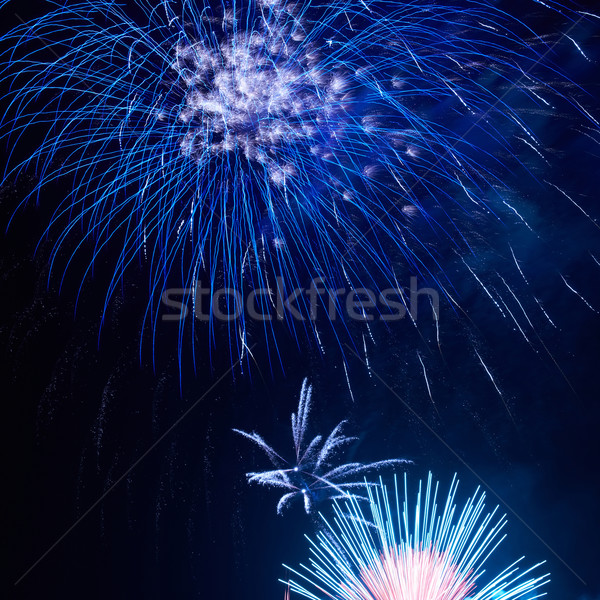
[[396, 553], [413, 574]]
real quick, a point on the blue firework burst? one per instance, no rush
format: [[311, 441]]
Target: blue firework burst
[[244, 142], [397, 549]]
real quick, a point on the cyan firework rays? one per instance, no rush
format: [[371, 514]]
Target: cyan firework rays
[[396, 550], [314, 473], [236, 143]]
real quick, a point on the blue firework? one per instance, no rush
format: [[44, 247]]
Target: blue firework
[[315, 472], [245, 142], [399, 549]]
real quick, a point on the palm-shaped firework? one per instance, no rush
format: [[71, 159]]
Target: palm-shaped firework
[[313, 472], [389, 552]]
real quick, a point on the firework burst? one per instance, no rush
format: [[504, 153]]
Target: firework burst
[[399, 551], [240, 144], [313, 474]]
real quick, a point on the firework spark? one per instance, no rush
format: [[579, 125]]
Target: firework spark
[[396, 551], [312, 474]]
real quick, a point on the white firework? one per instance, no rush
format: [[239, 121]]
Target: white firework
[[312, 474]]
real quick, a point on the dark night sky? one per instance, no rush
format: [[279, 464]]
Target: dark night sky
[[81, 406]]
